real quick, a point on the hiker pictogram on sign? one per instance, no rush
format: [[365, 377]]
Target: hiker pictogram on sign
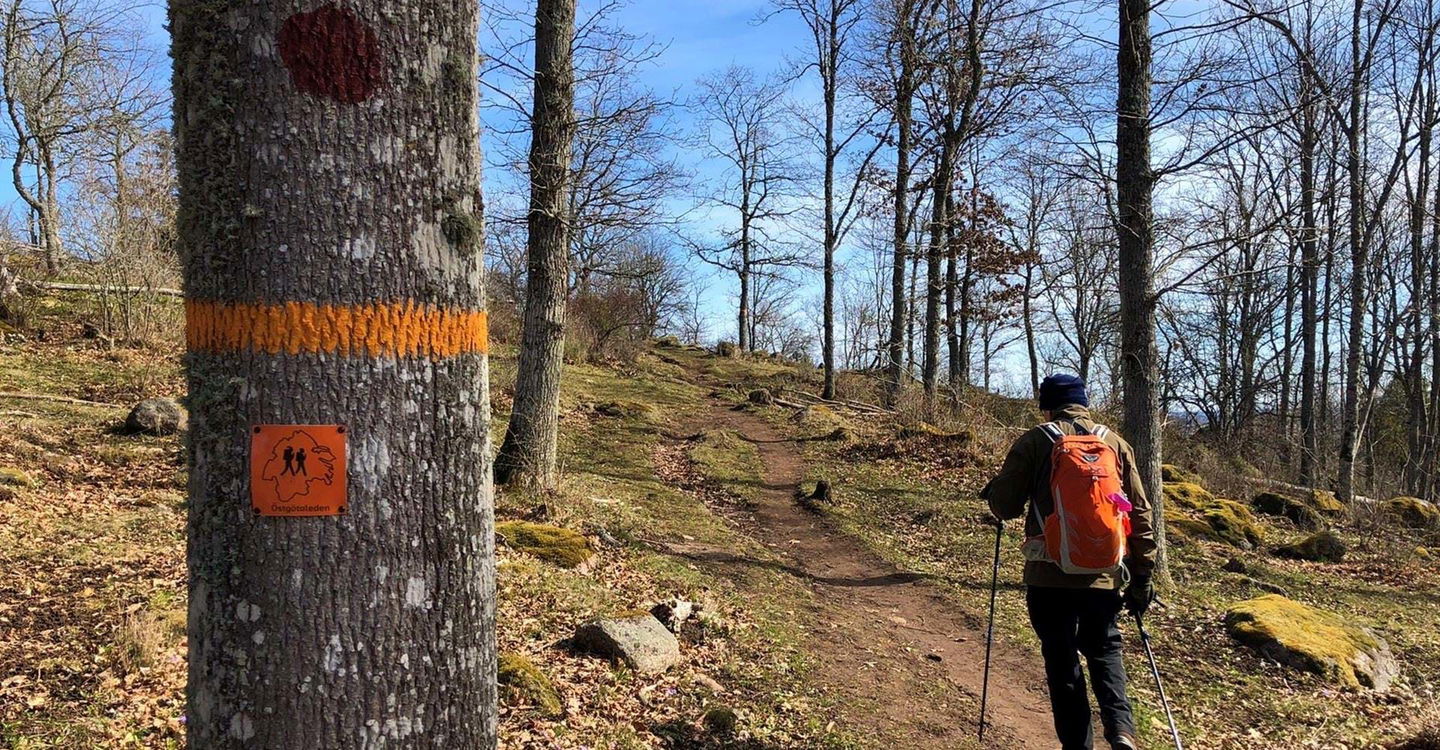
[[297, 470]]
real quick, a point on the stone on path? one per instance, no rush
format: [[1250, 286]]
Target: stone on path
[[638, 640], [156, 416]]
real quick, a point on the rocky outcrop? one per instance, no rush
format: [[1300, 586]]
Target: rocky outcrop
[[1324, 546], [1282, 506], [1412, 512]]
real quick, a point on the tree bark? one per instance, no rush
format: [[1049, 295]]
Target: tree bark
[[829, 78], [1135, 183], [1309, 287], [904, 92], [528, 455], [1359, 267], [934, 257], [331, 242]]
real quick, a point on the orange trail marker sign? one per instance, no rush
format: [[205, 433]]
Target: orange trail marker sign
[[298, 470]]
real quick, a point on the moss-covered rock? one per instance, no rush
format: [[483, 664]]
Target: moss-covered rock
[[1412, 512], [552, 544], [1234, 524], [1324, 546], [1313, 640], [820, 419], [1281, 506], [12, 477], [1325, 503], [624, 409], [1173, 474], [523, 682], [1187, 495], [726, 349], [761, 397], [1223, 521]]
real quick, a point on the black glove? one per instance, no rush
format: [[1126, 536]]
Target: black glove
[[1139, 595]]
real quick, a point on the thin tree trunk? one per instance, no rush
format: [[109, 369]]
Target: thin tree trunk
[[528, 455], [1134, 183], [376, 626], [829, 76], [952, 283], [1309, 282], [1029, 315], [904, 91], [1359, 267], [934, 257]]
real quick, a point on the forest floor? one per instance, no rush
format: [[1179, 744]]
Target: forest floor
[[856, 623]]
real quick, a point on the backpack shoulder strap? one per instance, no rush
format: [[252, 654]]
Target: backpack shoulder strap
[[1101, 431], [1052, 431]]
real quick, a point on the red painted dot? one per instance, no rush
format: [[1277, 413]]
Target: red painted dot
[[330, 52]]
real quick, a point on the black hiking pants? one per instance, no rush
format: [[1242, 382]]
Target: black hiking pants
[[1071, 622]]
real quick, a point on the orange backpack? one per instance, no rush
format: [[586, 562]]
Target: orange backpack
[[1086, 529]]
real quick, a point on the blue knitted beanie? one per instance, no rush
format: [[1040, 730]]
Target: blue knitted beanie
[[1059, 390]]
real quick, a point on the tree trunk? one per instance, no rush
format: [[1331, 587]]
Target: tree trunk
[[1134, 183], [315, 297], [1359, 267], [829, 80], [904, 90], [1309, 287], [528, 455], [1029, 322], [952, 284], [934, 257]]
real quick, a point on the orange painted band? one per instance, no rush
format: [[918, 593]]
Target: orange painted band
[[394, 329]]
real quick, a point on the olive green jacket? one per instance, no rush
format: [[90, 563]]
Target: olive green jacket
[[1024, 477]]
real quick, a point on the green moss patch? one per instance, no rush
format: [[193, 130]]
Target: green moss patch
[[523, 682], [12, 477], [552, 544], [1224, 521], [1312, 640], [1233, 523], [1188, 495]]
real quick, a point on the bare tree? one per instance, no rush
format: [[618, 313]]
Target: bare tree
[[739, 115], [70, 67], [833, 26]]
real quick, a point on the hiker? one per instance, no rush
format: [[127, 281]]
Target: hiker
[[1076, 584]]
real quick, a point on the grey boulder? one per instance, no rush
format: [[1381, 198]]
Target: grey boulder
[[639, 641]]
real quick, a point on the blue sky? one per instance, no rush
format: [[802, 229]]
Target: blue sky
[[700, 36]]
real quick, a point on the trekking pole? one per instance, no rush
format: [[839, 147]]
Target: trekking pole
[[1155, 670], [990, 630]]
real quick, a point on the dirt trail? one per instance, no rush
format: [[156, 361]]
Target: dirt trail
[[908, 665]]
